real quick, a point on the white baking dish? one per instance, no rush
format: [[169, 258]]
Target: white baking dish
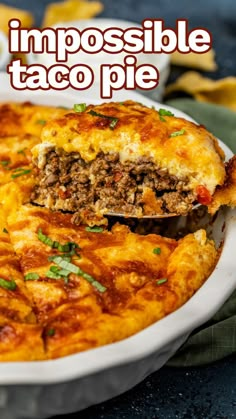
[[45, 388]]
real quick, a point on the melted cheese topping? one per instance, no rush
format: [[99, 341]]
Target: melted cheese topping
[[20, 130], [80, 316], [48, 318], [139, 132]]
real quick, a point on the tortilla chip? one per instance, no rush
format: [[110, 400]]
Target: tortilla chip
[[205, 62], [221, 92], [7, 13], [70, 10]]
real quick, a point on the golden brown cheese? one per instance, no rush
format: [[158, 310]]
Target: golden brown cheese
[[139, 131], [141, 286], [20, 129], [20, 336], [226, 194], [46, 317]]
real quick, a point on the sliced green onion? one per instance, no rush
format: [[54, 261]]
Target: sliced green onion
[[21, 172], [157, 251], [165, 112], [31, 275], [22, 151], [94, 229], [51, 332], [41, 121], [8, 285], [69, 248], [113, 122], [52, 275], [64, 257], [4, 162], [56, 273], [80, 107], [177, 133], [5, 230], [45, 239], [64, 272], [78, 271], [161, 281]]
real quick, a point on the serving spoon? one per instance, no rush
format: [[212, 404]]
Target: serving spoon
[[158, 216]]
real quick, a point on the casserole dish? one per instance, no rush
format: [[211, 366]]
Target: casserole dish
[[45, 388]]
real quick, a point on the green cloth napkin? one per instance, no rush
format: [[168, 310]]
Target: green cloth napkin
[[215, 339]]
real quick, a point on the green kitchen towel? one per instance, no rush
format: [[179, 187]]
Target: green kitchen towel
[[215, 339]]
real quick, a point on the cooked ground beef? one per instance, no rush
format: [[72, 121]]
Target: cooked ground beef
[[67, 182]]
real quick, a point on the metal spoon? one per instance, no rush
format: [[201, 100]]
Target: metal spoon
[[165, 215]]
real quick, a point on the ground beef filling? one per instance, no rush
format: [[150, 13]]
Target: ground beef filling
[[68, 183]]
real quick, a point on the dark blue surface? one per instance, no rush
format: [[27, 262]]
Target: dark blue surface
[[193, 393]]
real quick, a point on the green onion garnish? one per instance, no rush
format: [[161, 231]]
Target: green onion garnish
[[22, 151], [45, 239], [20, 172], [161, 281], [94, 229], [41, 121], [4, 162], [78, 271], [80, 107], [113, 122], [56, 273], [31, 276], [70, 248], [51, 332], [177, 133], [8, 285], [164, 112], [5, 230], [157, 251], [52, 275]]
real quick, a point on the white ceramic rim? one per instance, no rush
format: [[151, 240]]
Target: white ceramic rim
[[196, 311]]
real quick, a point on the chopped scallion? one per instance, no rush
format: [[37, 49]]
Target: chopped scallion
[[51, 332], [8, 285], [78, 271], [31, 276], [22, 151], [94, 229], [45, 239], [4, 162], [80, 107], [165, 112], [20, 172], [113, 122], [161, 281], [177, 133], [157, 250]]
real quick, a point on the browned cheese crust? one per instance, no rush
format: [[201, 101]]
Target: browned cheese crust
[[127, 158], [141, 285], [122, 281], [226, 194]]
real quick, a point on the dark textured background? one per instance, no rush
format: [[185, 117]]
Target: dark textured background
[[183, 393]]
